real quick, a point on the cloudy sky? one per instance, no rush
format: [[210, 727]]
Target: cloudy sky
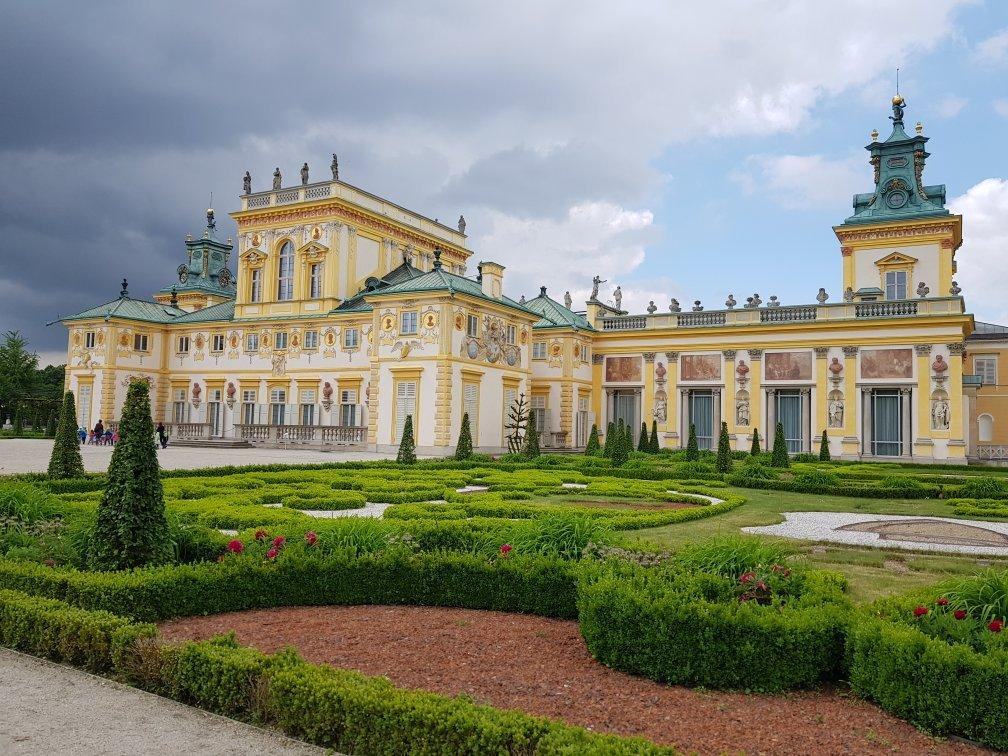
[[678, 149]]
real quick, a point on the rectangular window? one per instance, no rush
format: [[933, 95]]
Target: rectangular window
[[789, 416], [701, 417], [255, 292], [348, 408], [285, 280], [180, 406], [350, 338], [311, 339], [470, 405], [538, 408], [472, 326], [248, 407], [887, 423], [217, 343], [307, 413], [140, 342], [408, 323], [585, 353], [183, 345], [986, 368], [315, 274], [280, 340], [252, 342], [511, 334], [278, 406], [406, 392], [539, 350], [89, 340], [510, 400], [896, 284]]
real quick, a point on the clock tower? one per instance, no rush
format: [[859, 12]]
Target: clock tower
[[205, 279]]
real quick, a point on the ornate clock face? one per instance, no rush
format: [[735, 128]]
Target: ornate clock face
[[896, 199], [183, 273], [224, 278]]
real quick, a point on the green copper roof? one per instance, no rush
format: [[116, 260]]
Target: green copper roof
[[207, 268], [555, 315], [127, 308], [899, 165], [223, 311]]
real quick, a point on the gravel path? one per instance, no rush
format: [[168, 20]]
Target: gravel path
[[541, 666], [51, 709], [835, 527]]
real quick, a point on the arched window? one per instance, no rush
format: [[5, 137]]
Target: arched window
[[285, 277], [986, 428]]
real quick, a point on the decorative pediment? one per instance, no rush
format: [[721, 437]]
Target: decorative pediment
[[896, 259], [253, 258], [313, 251]]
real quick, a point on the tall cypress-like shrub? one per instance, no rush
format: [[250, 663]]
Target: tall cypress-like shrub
[[407, 445], [755, 450], [724, 460], [531, 446], [593, 448], [780, 452], [824, 455], [65, 460], [132, 530], [628, 433], [464, 448], [622, 445], [610, 433], [653, 446], [692, 447], [642, 442]]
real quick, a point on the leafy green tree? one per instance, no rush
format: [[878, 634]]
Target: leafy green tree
[[131, 530], [642, 441], [824, 455], [51, 424], [610, 433], [593, 449], [780, 453], [19, 412], [692, 447], [17, 372], [65, 460], [755, 450], [464, 449], [724, 460], [653, 446], [407, 446], [531, 446]]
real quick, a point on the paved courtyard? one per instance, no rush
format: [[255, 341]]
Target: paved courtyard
[[20, 455], [51, 709]]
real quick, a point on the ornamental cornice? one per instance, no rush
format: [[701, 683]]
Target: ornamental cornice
[[894, 233], [729, 354]]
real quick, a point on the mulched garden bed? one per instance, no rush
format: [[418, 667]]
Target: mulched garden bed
[[541, 666]]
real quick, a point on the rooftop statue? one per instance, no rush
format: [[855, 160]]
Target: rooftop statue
[[247, 183], [461, 224], [304, 174], [276, 179], [567, 300], [596, 282], [618, 297], [334, 166]]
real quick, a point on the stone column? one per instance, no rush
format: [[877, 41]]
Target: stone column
[[755, 393], [647, 398], [683, 417], [672, 391], [906, 436], [716, 424], [923, 445], [957, 421], [866, 421], [729, 399], [852, 446], [771, 418], [806, 406], [597, 397]]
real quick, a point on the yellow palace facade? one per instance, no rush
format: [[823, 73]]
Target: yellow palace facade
[[349, 313]]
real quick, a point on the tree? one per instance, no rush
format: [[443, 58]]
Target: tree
[[51, 424], [65, 460], [464, 449], [692, 447], [17, 372], [131, 530], [628, 437], [593, 449], [724, 460], [755, 450], [642, 442], [531, 447], [653, 446], [780, 452], [19, 413], [622, 445], [824, 455], [610, 433], [407, 446], [517, 420]]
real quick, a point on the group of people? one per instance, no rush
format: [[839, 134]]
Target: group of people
[[99, 435]]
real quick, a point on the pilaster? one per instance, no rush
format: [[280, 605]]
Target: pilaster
[[672, 401], [821, 421], [957, 436], [598, 363], [923, 445], [728, 413], [647, 401], [850, 437], [755, 392]]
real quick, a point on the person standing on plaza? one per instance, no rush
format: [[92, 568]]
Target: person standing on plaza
[[162, 435]]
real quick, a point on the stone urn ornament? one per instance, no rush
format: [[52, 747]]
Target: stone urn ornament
[[730, 302], [822, 296]]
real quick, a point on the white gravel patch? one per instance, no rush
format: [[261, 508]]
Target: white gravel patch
[[575, 486], [368, 510], [824, 526], [711, 499], [472, 489]]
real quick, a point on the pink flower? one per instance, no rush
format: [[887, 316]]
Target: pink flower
[[272, 553], [235, 546], [959, 614], [942, 601], [278, 542], [260, 534], [996, 626], [761, 585], [920, 611], [505, 549], [747, 578], [311, 537]]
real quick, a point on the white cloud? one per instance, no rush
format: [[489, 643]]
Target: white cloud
[[950, 106], [994, 49], [802, 181], [1001, 107], [982, 273]]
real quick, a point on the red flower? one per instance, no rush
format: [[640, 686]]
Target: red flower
[[996, 626], [505, 549], [278, 542], [920, 611], [260, 534], [942, 601], [761, 585], [310, 537], [272, 553], [235, 546], [959, 614], [747, 578]]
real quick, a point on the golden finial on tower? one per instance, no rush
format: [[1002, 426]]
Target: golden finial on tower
[[919, 128], [874, 135], [897, 100]]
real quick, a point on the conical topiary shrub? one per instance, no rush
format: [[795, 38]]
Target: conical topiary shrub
[[755, 450], [132, 530], [610, 433], [407, 446], [724, 460], [531, 446], [642, 441], [65, 460], [628, 433], [622, 446], [780, 453], [692, 447], [653, 446], [824, 455], [464, 448], [593, 448]]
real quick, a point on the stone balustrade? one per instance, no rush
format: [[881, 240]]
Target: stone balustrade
[[336, 435]]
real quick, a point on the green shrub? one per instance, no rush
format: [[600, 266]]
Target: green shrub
[[692, 447], [609, 437], [780, 452], [464, 448], [724, 458], [983, 488], [654, 446], [593, 449], [407, 446], [621, 447], [824, 452], [642, 442], [65, 460], [755, 449], [530, 444], [562, 534], [731, 556]]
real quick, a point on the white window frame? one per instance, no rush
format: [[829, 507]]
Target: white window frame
[[285, 273], [538, 350], [405, 405], [315, 279], [280, 336], [140, 342], [351, 338], [248, 407], [348, 408], [472, 325], [182, 345], [311, 339], [278, 406], [408, 323], [89, 339], [217, 343], [511, 334], [896, 284], [988, 377], [255, 285], [251, 342]]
